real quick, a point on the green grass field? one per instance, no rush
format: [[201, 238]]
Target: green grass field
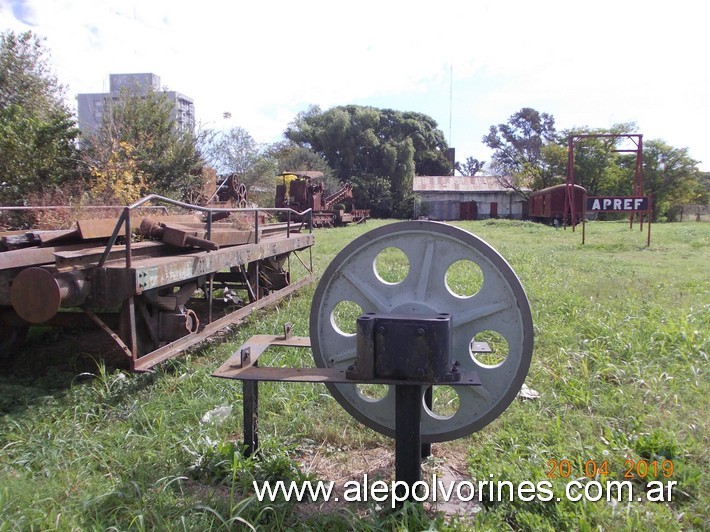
[[620, 362]]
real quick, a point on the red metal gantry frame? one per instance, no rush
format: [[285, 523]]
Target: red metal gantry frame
[[637, 139]]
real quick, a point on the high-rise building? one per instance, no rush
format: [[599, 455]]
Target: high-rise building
[[90, 107]]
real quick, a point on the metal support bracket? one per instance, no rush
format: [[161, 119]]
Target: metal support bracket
[[409, 450]]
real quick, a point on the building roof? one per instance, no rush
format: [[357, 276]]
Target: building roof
[[457, 183]]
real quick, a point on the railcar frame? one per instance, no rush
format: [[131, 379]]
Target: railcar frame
[[159, 296]]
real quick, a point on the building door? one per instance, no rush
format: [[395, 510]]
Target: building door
[[494, 209], [468, 210]]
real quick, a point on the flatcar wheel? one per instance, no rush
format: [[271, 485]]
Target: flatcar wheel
[[433, 251]]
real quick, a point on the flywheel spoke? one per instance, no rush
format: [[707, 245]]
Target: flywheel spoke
[[423, 277], [370, 297]]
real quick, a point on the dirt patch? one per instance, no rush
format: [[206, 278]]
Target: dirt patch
[[348, 468]]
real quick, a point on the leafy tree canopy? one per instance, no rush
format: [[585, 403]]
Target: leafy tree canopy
[[231, 152], [141, 128], [521, 154], [672, 178], [471, 167], [235, 152], [703, 189], [26, 78], [37, 131], [520, 141], [290, 157], [366, 144]]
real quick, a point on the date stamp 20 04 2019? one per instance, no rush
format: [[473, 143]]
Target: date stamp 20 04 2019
[[592, 468]]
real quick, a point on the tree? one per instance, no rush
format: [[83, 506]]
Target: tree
[[372, 144], [232, 152], [290, 157], [235, 152], [703, 189], [470, 167], [376, 193], [519, 150], [140, 129], [119, 178], [427, 139], [671, 177], [37, 131]]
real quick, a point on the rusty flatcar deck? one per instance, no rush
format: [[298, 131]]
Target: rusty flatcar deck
[[161, 291], [114, 282]]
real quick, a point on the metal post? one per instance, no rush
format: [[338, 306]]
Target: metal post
[[584, 215], [569, 185], [428, 401], [114, 236], [129, 259], [132, 328], [250, 400], [210, 294], [256, 263], [408, 436], [649, 212]]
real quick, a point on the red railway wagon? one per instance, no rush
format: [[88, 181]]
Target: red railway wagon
[[548, 204]]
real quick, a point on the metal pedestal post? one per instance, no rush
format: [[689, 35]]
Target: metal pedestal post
[[250, 400], [428, 399], [408, 438]]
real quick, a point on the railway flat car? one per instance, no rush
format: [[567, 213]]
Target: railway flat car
[[155, 286], [547, 205]]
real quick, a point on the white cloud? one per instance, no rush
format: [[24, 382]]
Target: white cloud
[[589, 64]]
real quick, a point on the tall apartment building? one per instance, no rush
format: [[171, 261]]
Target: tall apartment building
[[90, 107]]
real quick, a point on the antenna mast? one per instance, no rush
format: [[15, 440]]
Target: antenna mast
[[451, 98]]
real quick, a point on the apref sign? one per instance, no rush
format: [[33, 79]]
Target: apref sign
[[617, 203], [632, 204]]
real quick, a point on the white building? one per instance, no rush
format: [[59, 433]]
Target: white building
[[466, 198], [90, 106]]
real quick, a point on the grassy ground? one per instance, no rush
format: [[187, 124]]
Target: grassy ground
[[622, 337]]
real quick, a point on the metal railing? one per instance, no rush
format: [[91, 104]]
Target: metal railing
[[125, 221]]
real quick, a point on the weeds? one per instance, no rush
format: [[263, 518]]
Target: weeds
[[621, 351]]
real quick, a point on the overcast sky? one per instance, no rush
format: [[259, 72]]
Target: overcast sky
[[468, 64]]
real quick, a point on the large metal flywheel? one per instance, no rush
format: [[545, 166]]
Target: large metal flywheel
[[435, 255]]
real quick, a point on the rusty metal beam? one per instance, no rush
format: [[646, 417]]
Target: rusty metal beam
[[88, 257], [146, 362], [22, 258], [243, 365], [156, 272]]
